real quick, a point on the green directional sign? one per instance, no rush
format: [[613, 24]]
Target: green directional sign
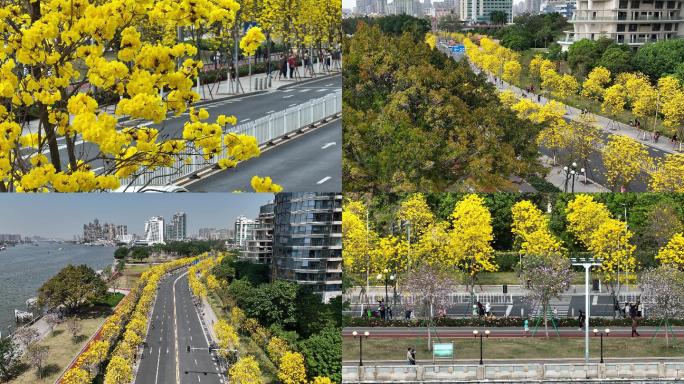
[[443, 350]]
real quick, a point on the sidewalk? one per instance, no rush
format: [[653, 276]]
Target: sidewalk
[[556, 176]]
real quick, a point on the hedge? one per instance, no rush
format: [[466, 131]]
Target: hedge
[[497, 322]]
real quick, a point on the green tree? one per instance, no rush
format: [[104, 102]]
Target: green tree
[[323, 355], [121, 253], [498, 17], [73, 286], [616, 59], [582, 57], [449, 23], [660, 58]]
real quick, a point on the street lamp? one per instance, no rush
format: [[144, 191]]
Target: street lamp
[[387, 278], [597, 333], [571, 173], [486, 334], [587, 263], [365, 334]]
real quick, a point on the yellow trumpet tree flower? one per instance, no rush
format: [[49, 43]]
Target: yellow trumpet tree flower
[[673, 252]]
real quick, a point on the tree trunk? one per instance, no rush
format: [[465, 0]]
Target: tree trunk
[[546, 324]]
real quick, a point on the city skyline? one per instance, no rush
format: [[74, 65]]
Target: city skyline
[[73, 211]]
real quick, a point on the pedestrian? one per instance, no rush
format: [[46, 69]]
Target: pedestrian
[[656, 136], [538, 98], [409, 357], [674, 141], [526, 325], [633, 314], [555, 313], [580, 320], [480, 309], [407, 315], [488, 309], [638, 123], [413, 355], [283, 68], [292, 63], [389, 312]]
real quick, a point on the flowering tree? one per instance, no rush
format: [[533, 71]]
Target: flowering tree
[[61, 60], [245, 371], [548, 277], [668, 175], [663, 294], [291, 369], [673, 252], [624, 159], [531, 229]]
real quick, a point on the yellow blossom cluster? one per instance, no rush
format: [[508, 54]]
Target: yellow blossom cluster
[[252, 40]]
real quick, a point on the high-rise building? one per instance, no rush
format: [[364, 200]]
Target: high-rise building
[[154, 230], [405, 7], [479, 11], [631, 22], [533, 7], [307, 241], [259, 248], [244, 229], [176, 230], [95, 231], [564, 7]]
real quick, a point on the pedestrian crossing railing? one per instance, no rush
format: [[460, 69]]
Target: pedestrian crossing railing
[[267, 130]]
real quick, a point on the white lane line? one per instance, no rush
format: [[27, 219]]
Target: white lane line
[[195, 361], [247, 119], [304, 90], [595, 300], [508, 310], [288, 96], [323, 180], [287, 90], [292, 105], [328, 85], [269, 112], [175, 326], [327, 145], [156, 373], [322, 90], [199, 379]]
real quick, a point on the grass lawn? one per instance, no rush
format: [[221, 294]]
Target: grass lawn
[[509, 348], [511, 278], [129, 277], [111, 299], [62, 349]]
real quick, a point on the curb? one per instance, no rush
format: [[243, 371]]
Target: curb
[[286, 86]]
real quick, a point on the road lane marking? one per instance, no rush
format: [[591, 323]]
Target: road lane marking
[[288, 96], [195, 361], [323, 180], [156, 373], [595, 300], [327, 145], [322, 90], [304, 90], [328, 85], [269, 112], [287, 90], [175, 326], [292, 105], [508, 310], [243, 120]]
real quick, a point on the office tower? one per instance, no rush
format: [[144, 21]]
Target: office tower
[[154, 230]]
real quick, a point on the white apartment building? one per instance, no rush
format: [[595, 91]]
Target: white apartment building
[[244, 230], [631, 22], [154, 230]]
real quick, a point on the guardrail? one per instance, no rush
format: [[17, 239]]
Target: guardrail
[[266, 130], [514, 372]]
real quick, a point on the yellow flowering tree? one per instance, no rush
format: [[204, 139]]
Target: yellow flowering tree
[[595, 83], [668, 174], [245, 371], [673, 252], [624, 159], [431, 40], [530, 227], [291, 369], [276, 348], [471, 237], [228, 339], [416, 211]]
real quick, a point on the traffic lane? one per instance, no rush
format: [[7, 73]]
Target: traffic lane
[[245, 108], [198, 365], [309, 163], [158, 359]]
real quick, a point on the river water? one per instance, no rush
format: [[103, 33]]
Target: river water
[[24, 268]]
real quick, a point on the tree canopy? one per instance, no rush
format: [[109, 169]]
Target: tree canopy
[[73, 287]]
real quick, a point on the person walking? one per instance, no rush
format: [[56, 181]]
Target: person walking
[[292, 63], [409, 357], [526, 327], [580, 320], [413, 355], [488, 309], [283, 68], [674, 141]]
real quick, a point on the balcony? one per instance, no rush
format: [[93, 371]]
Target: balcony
[[615, 16]]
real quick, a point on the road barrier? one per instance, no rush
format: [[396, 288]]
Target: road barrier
[[515, 372], [267, 130]]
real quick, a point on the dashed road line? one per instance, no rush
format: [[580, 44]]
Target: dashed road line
[[323, 180]]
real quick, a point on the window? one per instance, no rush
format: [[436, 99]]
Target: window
[[622, 15], [671, 4], [656, 27], [621, 28], [659, 5], [668, 27], [635, 4], [632, 27], [623, 4], [621, 38]]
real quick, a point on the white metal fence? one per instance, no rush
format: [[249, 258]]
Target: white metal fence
[[265, 129]]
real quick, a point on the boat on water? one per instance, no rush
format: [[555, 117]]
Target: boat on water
[[2, 247]]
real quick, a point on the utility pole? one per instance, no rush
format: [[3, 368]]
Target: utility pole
[[587, 263]]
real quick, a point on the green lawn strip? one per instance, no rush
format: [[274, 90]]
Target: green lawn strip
[[509, 348], [129, 277], [111, 299], [247, 346], [511, 278], [62, 350]]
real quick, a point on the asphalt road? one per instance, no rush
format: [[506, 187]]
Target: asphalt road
[[176, 324], [467, 332], [308, 163], [245, 108]]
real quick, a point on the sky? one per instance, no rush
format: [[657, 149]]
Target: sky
[[63, 215]]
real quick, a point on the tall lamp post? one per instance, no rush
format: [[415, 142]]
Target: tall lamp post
[[597, 333], [475, 334], [356, 334], [571, 173], [387, 278], [587, 263]]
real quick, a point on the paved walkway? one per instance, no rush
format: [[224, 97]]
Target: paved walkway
[[557, 177]]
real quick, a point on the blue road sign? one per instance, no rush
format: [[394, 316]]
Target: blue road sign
[[458, 49]]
